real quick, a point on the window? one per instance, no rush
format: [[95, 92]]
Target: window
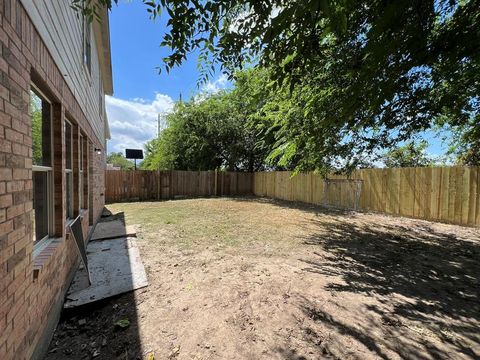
[[81, 189], [86, 152], [101, 100], [69, 168], [87, 47], [41, 115]]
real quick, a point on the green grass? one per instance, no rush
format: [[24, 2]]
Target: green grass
[[185, 222], [219, 223]]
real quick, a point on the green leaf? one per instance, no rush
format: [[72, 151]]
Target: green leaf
[[123, 323]]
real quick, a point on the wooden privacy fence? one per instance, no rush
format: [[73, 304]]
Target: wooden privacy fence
[[448, 194], [141, 185]]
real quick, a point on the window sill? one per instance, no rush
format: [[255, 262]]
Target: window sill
[[44, 250], [43, 253]]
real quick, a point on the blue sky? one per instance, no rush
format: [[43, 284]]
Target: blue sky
[[140, 93], [136, 54]]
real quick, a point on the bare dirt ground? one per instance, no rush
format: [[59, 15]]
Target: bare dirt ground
[[261, 279]]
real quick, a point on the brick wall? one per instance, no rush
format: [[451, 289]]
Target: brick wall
[[32, 287]]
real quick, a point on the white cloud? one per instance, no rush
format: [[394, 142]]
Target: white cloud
[[243, 16], [134, 122], [215, 86]]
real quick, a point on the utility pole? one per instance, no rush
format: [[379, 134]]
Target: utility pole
[[158, 125]]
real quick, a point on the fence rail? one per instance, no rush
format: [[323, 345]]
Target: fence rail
[[143, 185], [447, 194]]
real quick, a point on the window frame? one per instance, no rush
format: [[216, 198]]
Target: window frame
[[87, 46], [81, 185], [69, 210], [49, 171]]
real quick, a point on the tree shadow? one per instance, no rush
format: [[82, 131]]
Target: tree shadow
[[314, 209], [423, 280]]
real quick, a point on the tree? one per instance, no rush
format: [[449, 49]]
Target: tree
[[412, 154], [468, 146], [254, 101], [200, 136], [117, 159], [210, 132], [362, 75], [464, 144]]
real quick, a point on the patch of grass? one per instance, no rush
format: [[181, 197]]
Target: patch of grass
[[217, 222]]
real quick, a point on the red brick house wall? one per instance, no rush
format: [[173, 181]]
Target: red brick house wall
[[32, 287]]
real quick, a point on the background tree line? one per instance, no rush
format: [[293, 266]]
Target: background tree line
[[241, 130]]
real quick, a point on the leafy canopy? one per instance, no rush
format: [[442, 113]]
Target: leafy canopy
[[216, 131], [361, 75], [412, 154]]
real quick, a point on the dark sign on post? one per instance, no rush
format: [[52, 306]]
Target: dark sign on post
[[134, 154]]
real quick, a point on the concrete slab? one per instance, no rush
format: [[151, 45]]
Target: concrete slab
[[112, 229], [115, 268]]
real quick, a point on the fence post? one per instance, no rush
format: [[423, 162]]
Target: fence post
[[236, 185], [170, 185], [158, 184], [223, 183], [198, 183]]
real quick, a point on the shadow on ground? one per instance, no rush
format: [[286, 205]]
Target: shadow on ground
[[427, 284], [295, 205], [91, 331]]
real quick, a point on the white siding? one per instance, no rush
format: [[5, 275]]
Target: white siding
[[61, 29]]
